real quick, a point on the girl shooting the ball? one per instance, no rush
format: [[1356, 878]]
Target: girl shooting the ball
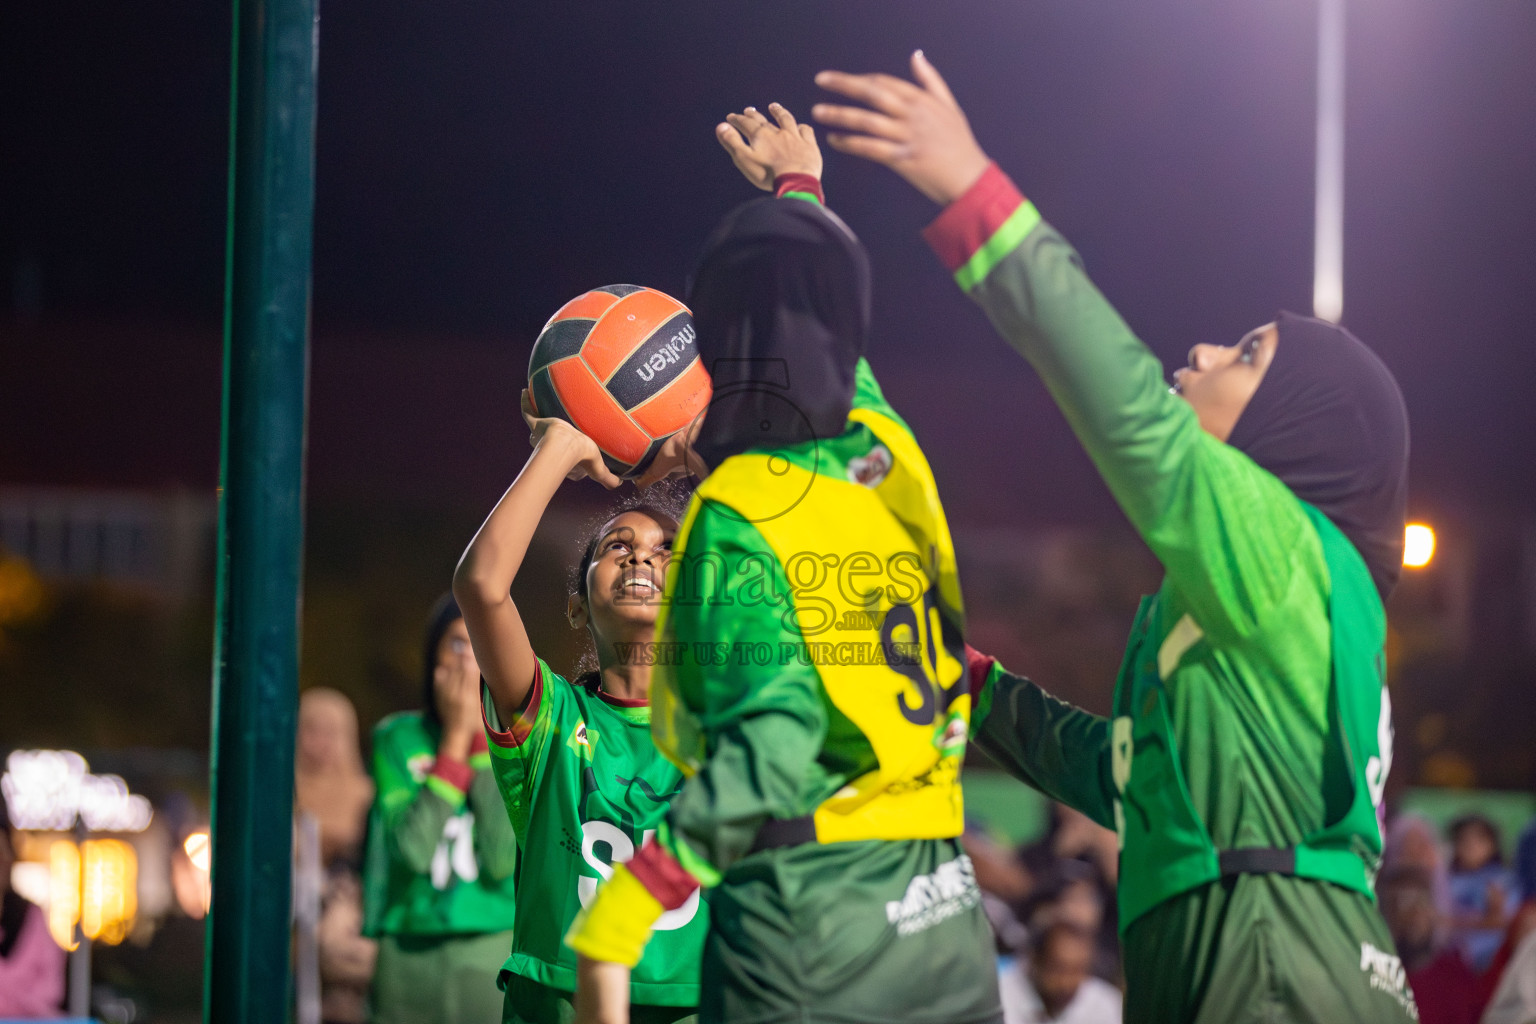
[[574, 761]]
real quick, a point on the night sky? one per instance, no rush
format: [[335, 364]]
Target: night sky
[[480, 163]]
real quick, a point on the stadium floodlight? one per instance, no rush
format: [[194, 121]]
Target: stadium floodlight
[[1418, 545]]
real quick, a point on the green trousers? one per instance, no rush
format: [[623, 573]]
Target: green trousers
[[1264, 949], [439, 979], [850, 933]]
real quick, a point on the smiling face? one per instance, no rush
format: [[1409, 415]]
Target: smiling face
[[1220, 379], [625, 577]]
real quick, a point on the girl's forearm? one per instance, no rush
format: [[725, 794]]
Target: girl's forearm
[[482, 583], [492, 560]]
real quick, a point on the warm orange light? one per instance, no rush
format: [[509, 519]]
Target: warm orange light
[[198, 851], [189, 877], [1418, 545], [63, 893], [109, 896]]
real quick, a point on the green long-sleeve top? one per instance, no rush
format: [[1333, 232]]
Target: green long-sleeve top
[[783, 685], [1233, 658], [441, 850]]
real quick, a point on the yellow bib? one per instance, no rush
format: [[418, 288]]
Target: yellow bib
[[877, 601]]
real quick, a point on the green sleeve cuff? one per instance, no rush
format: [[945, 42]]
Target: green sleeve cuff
[[1006, 239], [452, 795], [695, 865]]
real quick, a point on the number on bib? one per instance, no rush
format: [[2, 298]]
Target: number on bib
[[620, 848], [455, 853]]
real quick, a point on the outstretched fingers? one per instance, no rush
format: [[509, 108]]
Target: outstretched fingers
[[858, 119], [886, 93], [782, 115], [731, 140], [881, 151], [749, 122], [928, 76]]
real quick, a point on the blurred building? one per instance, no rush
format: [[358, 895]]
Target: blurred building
[[156, 543]]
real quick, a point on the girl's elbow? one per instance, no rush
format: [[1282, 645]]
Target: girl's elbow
[[474, 588]]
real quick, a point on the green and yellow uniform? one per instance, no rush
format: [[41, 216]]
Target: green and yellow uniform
[[585, 787], [809, 681], [437, 879], [1251, 735]]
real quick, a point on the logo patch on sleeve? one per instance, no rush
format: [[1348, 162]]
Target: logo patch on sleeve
[[869, 470]]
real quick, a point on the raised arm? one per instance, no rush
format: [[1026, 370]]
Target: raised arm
[[1207, 511], [482, 584], [1046, 743]]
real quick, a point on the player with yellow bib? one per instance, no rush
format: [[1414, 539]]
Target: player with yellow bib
[[809, 675]]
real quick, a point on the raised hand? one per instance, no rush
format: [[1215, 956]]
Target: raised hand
[[456, 686], [762, 149], [917, 130], [550, 433], [675, 457]]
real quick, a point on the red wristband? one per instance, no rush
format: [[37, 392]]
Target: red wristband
[[456, 773], [964, 225], [797, 182], [662, 876], [979, 666]]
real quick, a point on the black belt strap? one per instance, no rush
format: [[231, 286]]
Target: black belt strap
[[1257, 860], [779, 832]]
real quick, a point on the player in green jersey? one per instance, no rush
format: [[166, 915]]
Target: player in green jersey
[[809, 672], [1244, 764], [582, 781], [437, 877]]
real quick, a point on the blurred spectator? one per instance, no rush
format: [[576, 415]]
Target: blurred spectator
[[1067, 875], [1074, 892], [31, 964], [331, 785], [1005, 884], [1443, 985], [346, 957], [1524, 921], [1484, 893], [329, 780], [1514, 1000], [1411, 841], [1055, 984], [438, 888], [1525, 862], [1072, 835]]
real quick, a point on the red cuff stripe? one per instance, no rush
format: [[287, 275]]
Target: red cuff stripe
[[662, 876], [795, 182], [980, 666], [965, 224], [516, 734], [456, 773], [477, 743]]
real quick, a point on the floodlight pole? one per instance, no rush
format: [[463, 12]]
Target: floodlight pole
[[1328, 251], [246, 976]]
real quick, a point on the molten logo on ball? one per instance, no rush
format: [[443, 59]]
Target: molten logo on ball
[[620, 364]]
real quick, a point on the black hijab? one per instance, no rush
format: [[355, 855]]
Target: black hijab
[[781, 302], [1329, 421]]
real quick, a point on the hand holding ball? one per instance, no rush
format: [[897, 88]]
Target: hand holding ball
[[619, 363]]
